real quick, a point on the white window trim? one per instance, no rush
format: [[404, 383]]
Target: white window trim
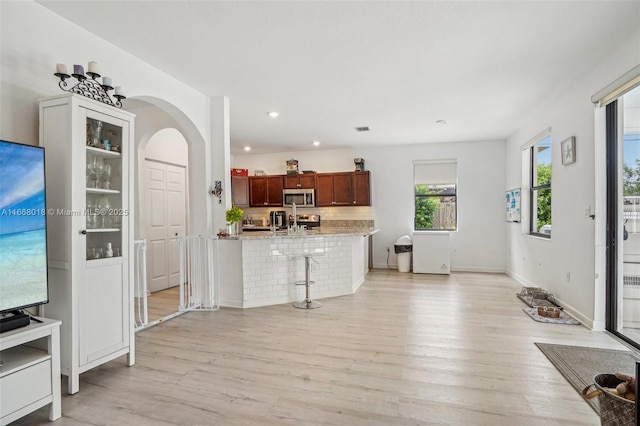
[[437, 162], [525, 202]]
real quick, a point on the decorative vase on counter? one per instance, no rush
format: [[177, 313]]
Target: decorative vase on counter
[[234, 229], [234, 220]]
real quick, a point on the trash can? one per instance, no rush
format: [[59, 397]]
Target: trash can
[[403, 248]]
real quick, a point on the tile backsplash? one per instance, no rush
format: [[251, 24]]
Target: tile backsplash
[[361, 216]]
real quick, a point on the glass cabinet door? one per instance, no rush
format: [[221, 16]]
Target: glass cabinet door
[[104, 189]]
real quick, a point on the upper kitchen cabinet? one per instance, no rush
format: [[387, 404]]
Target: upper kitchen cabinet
[[334, 189], [265, 191], [361, 189], [300, 181], [240, 191], [343, 189]]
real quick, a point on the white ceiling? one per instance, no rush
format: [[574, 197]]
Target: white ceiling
[[395, 66]]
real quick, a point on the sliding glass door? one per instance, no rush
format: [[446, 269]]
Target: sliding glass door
[[623, 216]]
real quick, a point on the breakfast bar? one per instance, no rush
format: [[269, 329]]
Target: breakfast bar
[[261, 268]]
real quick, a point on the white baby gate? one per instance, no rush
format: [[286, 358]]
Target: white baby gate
[[140, 279], [198, 273]]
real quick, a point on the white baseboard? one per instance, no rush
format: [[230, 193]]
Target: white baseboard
[[584, 320], [587, 322], [477, 269], [357, 285], [384, 266], [453, 268], [521, 280], [231, 303]]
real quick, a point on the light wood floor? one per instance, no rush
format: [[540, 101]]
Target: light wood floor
[[162, 303], [405, 350]]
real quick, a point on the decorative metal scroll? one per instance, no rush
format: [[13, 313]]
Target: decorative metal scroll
[[91, 89]]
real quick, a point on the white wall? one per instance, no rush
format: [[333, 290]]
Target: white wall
[[566, 265], [33, 39], [169, 146], [319, 160], [479, 244]]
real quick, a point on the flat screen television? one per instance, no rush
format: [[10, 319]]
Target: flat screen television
[[23, 231]]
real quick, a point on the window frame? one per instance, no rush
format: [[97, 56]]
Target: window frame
[[535, 189], [417, 196]]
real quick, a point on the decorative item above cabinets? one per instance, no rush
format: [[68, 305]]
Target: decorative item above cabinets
[[90, 87], [292, 167]]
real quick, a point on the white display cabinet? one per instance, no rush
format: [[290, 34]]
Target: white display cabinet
[[88, 151]]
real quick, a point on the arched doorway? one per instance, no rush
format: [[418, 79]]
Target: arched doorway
[[164, 194], [167, 143]]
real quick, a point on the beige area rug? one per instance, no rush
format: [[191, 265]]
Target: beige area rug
[[579, 364]]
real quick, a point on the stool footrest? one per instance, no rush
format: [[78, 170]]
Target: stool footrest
[[307, 304], [303, 282]]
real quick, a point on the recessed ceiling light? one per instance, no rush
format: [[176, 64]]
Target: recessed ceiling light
[[441, 121], [273, 114], [362, 129], [316, 143], [247, 148]]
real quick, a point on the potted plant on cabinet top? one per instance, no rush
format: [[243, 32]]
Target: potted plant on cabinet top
[[234, 219]]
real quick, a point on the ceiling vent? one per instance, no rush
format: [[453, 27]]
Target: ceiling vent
[[362, 129]]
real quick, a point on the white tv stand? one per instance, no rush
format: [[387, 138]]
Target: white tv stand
[[29, 375]]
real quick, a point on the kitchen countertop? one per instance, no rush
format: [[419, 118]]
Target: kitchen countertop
[[318, 231]]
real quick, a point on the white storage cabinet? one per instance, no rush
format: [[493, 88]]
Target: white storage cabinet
[[30, 375], [90, 287], [431, 253]]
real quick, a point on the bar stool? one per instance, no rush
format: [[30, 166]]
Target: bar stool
[[307, 303]]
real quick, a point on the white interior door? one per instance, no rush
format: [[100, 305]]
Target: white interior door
[[176, 209], [165, 191]]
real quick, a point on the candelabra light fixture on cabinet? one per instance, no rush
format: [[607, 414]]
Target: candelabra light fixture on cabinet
[[90, 87]]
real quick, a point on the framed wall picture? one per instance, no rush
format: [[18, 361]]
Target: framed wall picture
[[568, 149], [512, 198]]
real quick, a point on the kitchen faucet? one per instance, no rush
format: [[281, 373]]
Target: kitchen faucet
[[295, 219]]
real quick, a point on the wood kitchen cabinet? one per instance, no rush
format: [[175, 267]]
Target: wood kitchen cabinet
[[334, 189], [240, 191], [343, 189], [300, 181], [265, 191], [361, 189]]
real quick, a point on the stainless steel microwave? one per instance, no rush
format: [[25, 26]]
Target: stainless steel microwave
[[299, 197]]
